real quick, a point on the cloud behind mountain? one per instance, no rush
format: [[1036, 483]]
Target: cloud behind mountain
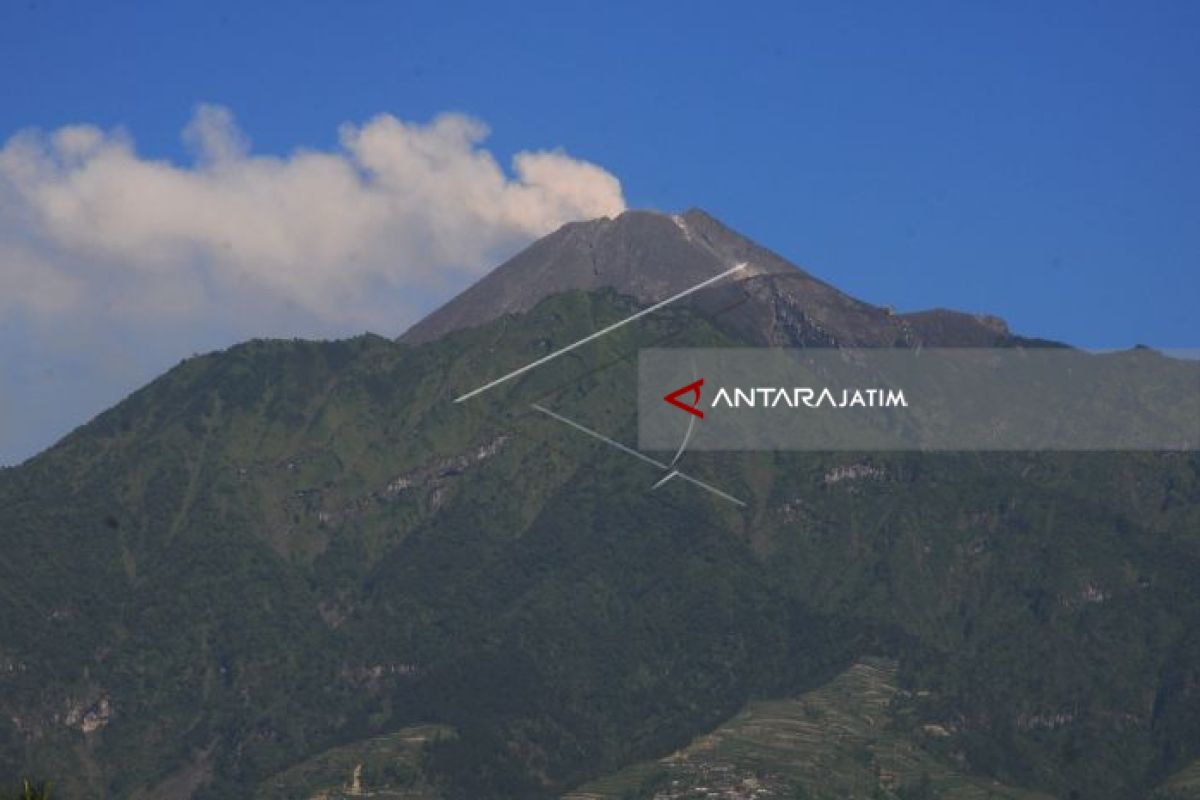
[[396, 205], [102, 247]]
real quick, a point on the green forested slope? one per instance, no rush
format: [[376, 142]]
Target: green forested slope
[[289, 547]]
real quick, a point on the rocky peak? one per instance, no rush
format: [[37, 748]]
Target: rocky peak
[[649, 256]]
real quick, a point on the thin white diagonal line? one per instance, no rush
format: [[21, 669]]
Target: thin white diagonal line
[[686, 436], [598, 334], [709, 487], [655, 462], [672, 474], [601, 437]]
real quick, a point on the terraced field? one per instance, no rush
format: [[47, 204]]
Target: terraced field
[[1183, 785], [844, 740], [386, 767]]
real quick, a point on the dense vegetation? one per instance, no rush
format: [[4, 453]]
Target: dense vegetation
[[289, 547]]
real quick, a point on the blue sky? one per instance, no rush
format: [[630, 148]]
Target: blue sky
[[1036, 161]]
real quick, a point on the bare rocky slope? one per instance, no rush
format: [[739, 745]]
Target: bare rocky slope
[[649, 256]]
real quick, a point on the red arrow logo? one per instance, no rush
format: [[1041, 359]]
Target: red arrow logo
[[694, 406]]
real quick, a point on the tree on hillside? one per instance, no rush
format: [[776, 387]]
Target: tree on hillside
[[29, 791]]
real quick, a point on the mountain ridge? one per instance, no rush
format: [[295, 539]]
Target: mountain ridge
[[273, 552], [649, 255]]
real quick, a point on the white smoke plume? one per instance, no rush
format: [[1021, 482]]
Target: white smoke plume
[[397, 205], [101, 247]]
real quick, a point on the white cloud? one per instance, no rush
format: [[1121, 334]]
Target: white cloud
[[105, 246], [400, 205]]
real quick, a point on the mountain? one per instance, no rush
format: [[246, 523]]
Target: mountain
[[649, 256], [284, 564]]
